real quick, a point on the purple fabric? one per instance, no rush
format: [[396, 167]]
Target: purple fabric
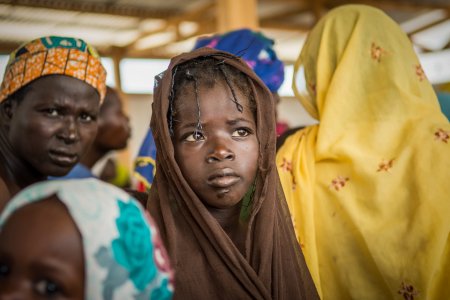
[[255, 48]]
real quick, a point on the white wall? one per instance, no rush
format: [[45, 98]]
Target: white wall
[[292, 112]]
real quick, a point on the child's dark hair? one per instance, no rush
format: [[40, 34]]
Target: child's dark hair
[[207, 71]]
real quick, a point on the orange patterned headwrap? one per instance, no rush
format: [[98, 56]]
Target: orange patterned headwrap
[[53, 55]]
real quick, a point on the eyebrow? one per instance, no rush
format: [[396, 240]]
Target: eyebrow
[[63, 274], [188, 125], [50, 264], [229, 122], [236, 121]]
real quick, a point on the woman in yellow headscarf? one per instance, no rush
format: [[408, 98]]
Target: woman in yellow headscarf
[[368, 186]]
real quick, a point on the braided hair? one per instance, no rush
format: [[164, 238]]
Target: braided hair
[[207, 71]]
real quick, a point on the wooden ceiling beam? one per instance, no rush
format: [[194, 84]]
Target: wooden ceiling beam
[[195, 15], [159, 52], [285, 14], [198, 15], [286, 27], [405, 5], [8, 47], [110, 8], [318, 8], [428, 26]]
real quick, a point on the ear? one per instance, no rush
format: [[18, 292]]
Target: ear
[[7, 110]]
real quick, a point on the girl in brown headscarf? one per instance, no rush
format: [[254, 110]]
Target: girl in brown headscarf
[[216, 195]]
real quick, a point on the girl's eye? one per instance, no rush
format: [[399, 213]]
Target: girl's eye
[[4, 270], [241, 132], [47, 287], [194, 137]]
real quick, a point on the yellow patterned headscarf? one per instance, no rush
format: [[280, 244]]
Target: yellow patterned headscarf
[[53, 55], [369, 186]]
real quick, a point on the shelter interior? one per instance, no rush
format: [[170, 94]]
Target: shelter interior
[[161, 29]]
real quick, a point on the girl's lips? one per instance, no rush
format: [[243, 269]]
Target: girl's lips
[[223, 178], [223, 181]]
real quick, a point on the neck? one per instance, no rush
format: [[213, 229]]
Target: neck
[[15, 173], [227, 217], [92, 156], [229, 220]]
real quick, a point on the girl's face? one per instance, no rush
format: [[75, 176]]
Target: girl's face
[[219, 161], [41, 254]]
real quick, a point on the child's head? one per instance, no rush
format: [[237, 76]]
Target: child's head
[[80, 239], [42, 241], [216, 191], [256, 49], [49, 102], [212, 118]]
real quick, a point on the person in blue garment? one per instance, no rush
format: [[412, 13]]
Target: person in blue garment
[[144, 167], [257, 51]]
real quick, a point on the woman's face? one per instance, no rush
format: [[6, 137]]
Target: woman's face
[[54, 124], [220, 161], [41, 254]]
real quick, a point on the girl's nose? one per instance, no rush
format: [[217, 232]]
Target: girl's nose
[[220, 152]]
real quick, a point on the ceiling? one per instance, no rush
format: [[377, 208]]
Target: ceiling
[[164, 28]]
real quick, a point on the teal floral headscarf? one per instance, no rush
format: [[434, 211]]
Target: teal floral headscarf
[[124, 255]]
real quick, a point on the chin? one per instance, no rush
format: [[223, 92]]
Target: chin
[[225, 201], [58, 171]]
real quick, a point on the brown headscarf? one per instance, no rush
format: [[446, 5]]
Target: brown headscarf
[[207, 263]]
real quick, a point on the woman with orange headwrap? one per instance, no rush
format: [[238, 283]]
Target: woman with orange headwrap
[[49, 102]]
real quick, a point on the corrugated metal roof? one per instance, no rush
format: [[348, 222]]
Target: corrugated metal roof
[[130, 25]]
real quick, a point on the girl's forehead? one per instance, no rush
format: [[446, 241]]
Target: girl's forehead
[[219, 96]]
